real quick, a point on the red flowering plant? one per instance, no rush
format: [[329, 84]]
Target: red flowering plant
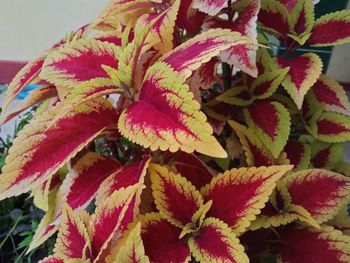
[[214, 149]]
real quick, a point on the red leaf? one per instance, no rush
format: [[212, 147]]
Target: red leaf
[[324, 245], [175, 197], [176, 122], [216, 243], [331, 29], [110, 220], [165, 247], [273, 17], [73, 241], [82, 182], [191, 167], [25, 76], [79, 61], [303, 72], [271, 122], [127, 175], [298, 153], [330, 191], [247, 189], [53, 140]]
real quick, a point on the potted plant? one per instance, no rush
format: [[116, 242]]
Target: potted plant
[[215, 148]]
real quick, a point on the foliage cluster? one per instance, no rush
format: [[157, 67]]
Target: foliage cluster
[[215, 149]]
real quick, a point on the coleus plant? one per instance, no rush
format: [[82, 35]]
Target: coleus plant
[[215, 148]]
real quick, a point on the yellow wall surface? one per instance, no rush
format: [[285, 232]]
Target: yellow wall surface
[[27, 27]]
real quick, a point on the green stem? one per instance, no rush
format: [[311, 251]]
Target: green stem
[[10, 232]]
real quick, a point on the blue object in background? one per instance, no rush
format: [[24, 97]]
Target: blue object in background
[[25, 92]]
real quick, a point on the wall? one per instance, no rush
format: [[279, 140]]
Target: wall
[[27, 27]]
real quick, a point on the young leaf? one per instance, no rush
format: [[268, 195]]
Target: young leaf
[[331, 29], [166, 247], [248, 189], [53, 142], [217, 243], [176, 122], [313, 245], [330, 191], [175, 197], [271, 122], [303, 72]]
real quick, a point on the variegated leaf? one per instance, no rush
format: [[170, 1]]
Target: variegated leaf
[[330, 127], [299, 154], [257, 154], [248, 189], [271, 122], [73, 241], [79, 61], [303, 72], [329, 94], [127, 175], [175, 197], [132, 250], [83, 181], [52, 141], [176, 122], [302, 20], [267, 83], [28, 74], [330, 191], [273, 18], [190, 167], [326, 155], [40, 94], [162, 31], [116, 212], [331, 29], [313, 245], [216, 243], [200, 49]]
